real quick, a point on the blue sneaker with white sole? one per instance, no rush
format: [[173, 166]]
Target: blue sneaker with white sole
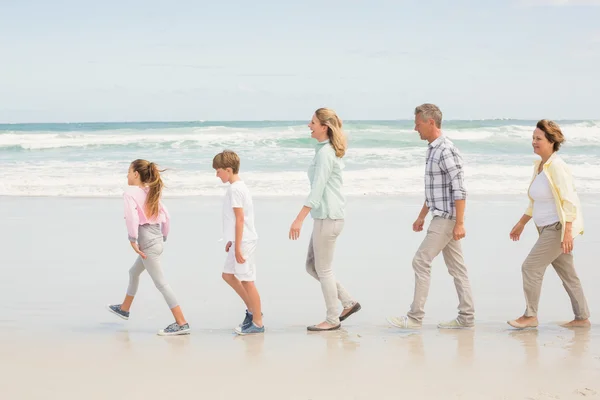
[[116, 309], [252, 329], [175, 329]]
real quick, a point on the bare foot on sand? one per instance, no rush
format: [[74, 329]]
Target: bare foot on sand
[[524, 322], [577, 323]]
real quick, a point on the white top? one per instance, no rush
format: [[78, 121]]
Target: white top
[[238, 196], [544, 207]]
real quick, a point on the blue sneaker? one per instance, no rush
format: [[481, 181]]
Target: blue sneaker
[[116, 309], [250, 330], [175, 329]]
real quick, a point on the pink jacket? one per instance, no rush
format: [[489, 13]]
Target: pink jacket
[[135, 199]]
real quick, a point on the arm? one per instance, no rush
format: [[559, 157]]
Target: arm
[[304, 211], [451, 163], [323, 170], [460, 212], [529, 211], [563, 181], [237, 203], [420, 222], [424, 211], [297, 224], [515, 233], [132, 218], [524, 219], [239, 233], [166, 226], [132, 221]]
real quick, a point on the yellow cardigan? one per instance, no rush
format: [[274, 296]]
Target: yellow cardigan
[[563, 190]]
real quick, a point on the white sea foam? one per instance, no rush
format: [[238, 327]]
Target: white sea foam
[[382, 158]]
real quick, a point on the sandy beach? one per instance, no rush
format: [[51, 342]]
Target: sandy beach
[[64, 259]]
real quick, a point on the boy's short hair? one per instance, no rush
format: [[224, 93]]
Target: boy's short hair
[[227, 159]]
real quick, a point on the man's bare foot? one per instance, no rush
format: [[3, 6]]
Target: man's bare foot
[[578, 323], [524, 322]]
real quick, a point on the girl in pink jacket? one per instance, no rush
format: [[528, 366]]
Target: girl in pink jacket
[[148, 223]]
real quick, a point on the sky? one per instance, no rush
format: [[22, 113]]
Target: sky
[[76, 61]]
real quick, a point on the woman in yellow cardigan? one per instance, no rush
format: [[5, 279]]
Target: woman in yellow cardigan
[[556, 212]]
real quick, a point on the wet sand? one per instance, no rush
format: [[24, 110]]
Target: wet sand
[[64, 259]]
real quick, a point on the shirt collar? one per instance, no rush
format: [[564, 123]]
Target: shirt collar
[[437, 142], [548, 162], [321, 144]]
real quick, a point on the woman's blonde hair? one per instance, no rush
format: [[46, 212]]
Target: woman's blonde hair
[[329, 118], [150, 175]]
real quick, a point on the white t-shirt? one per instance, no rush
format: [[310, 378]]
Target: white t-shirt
[[544, 207], [238, 196]]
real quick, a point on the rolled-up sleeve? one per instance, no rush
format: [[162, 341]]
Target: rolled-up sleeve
[[323, 169], [529, 210], [451, 162]]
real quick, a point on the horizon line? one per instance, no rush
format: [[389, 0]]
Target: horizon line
[[279, 120]]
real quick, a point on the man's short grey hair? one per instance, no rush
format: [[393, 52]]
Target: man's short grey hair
[[428, 111]]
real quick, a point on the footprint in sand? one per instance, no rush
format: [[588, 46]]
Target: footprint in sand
[[586, 392]]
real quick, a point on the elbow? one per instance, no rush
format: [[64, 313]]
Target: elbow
[[570, 211], [312, 204], [460, 194], [315, 198]]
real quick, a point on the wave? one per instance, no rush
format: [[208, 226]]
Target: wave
[[94, 179], [383, 157], [578, 135]]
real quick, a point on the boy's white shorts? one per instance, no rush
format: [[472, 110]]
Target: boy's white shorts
[[245, 271]]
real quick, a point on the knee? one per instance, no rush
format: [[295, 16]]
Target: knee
[[418, 263], [248, 284], [133, 273], [525, 267], [324, 272], [161, 285]]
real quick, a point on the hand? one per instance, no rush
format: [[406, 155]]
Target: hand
[[136, 248], [418, 224], [238, 255], [515, 233], [567, 243], [295, 229], [227, 246], [459, 231]]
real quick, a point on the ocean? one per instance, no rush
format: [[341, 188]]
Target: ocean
[[383, 157]]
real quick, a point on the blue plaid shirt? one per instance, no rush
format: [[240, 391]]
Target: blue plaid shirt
[[444, 178]]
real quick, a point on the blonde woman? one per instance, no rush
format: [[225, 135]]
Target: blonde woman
[[556, 212], [326, 205]]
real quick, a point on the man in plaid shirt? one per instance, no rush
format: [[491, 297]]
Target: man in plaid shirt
[[445, 196]]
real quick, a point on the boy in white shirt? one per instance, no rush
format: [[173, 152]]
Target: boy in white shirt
[[239, 233]]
